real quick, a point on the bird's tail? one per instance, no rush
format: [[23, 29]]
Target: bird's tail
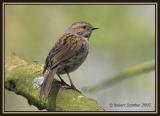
[[47, 83]]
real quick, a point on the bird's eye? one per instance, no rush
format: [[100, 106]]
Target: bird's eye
[[84, 27], [79, 33]]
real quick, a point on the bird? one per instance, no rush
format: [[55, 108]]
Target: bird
[[68, 53]]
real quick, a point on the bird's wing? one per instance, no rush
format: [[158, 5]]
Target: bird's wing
[[66, 47], [48, 62]]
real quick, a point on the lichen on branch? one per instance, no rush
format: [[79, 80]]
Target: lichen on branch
[[19, 76]]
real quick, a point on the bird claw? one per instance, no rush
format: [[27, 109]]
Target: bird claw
[[66, 86], [63, 83], [72, 87]]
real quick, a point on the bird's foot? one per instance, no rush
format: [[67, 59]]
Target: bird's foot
[[64, 84], [72, 87]]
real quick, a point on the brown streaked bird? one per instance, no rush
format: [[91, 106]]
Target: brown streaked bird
[[67, 55]]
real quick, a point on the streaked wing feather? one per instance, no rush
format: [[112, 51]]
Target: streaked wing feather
[[48, 61], [67, 50], [66, 47]]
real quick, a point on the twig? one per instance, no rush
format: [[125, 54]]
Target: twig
[[126, 74]]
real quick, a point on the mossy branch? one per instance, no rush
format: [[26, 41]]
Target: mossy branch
[[125, 74], [19, 76]]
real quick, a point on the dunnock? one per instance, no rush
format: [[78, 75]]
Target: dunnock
[[67, 55]]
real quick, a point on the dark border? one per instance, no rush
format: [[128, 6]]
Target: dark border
[[78, 1], [3, 10], [1, 58], [125, 112], [79, 4]]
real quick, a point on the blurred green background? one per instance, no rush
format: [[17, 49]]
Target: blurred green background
[[126, 38]]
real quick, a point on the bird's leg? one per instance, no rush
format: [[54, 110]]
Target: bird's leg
[[62, 81], [71, 83]]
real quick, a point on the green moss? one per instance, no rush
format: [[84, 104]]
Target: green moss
[[19, 76]]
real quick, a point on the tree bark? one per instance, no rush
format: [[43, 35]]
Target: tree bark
[[19, 76]]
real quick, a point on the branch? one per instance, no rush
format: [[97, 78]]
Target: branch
[[126, 74], [19, 76]]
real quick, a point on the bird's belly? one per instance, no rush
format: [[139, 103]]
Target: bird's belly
[[72, 64]]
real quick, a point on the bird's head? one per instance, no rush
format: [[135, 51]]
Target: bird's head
[[81, 28]]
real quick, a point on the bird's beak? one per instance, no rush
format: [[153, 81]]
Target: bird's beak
[[94, 28]]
